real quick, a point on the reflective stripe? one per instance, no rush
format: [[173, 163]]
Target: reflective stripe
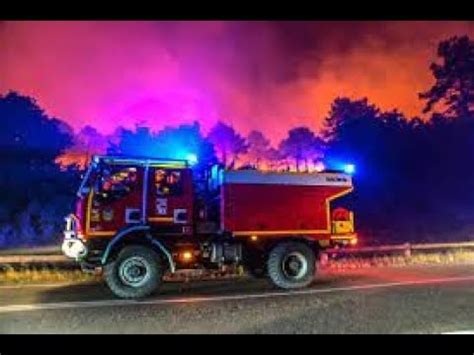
[[160, 219]]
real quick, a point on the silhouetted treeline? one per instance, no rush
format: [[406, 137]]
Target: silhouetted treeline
[[35, 193], [414, 178]]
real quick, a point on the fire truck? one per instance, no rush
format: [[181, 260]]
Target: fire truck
[[137, 219]]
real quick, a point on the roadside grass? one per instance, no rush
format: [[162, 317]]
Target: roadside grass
[[36, 274], [41, 274], [28, 274], [418, 258]]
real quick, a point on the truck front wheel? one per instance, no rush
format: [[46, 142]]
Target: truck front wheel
[[136, 272], [291, 265]]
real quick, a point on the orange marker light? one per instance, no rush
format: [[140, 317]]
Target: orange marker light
[[353, 241], [186, 256], [253, 238]]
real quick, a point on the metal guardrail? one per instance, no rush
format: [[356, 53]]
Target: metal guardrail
[[44, 250], [407, 248], [52, 254], [45, 254]]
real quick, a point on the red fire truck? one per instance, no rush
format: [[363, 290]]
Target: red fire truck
[[137, 219]]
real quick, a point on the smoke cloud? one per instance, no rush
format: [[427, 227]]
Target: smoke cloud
[[255, 75]]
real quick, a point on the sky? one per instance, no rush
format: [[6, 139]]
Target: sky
[[269, 76]]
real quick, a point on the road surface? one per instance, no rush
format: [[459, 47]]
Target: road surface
[[427, 299]]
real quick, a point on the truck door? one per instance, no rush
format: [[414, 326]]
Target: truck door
[[170, 199], [116, 200]]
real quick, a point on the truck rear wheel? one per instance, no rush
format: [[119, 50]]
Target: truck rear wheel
[[136, 272], [291, 265]]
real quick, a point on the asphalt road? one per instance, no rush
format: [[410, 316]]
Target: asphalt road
[[428, 299]]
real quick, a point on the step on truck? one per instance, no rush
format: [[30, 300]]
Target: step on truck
[[137, 219]]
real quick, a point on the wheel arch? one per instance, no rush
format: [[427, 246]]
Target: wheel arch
[[139, 235], [269, 243]]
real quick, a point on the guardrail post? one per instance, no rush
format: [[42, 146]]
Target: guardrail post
[[407, 251]]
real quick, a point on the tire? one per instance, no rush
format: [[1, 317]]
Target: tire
[[136, 272], [291, 265]]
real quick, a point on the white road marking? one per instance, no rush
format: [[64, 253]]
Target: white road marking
[[460, 332], [108, 303]]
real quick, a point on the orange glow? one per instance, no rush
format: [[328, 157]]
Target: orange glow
[[353, 241], [73, 158], [186, 256], [253, 238], [182, 71]]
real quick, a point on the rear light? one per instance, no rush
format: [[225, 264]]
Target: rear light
[[353, 241], [341, 214]]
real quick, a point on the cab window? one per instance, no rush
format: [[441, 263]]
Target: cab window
[[117, 182], [168, 182]]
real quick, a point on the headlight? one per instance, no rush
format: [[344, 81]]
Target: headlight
[[74, 248]]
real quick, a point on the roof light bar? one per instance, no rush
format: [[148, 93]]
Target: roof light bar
[[111, 159]]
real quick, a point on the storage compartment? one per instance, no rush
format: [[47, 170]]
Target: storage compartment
[[256, 201]]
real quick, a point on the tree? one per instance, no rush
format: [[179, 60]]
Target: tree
[[302, 145], [36, 194], [171, 142], [184, 141], [138, 142], [87, 142], [407, 185], [228, 143], [348, 116], [454, 86], [355, 132], [28, 131], [274, 159], [258, 148]]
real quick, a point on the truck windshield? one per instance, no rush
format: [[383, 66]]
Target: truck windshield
[[116, 182]]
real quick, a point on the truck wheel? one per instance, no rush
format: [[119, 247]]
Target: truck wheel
[[291, 265], [135, 273]]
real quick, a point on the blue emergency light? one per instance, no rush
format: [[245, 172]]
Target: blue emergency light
[[349, 169], [192, 158]]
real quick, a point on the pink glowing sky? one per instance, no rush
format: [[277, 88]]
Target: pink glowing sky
[[264, 75]]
